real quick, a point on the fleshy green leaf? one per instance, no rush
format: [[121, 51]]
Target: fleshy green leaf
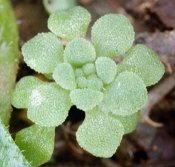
[[106, 69], [112, 34], [43, 52], [81, 82], [129, 122], [100, 134], [48, 105], [23, 90], [36, 143], [64, 76], [89, 69], [86, 99], [93, 82], [54, 5], [144, 62], [126, 95], [71, 23], [79, 72], [79, 52], [10, 155]]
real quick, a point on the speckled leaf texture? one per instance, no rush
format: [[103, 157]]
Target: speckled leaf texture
[[10, 155], [79, 52], [106, 69], [89, 69], [100, 134], [23, 90], [129, 122], [125, 96], [86, 75], [112, 35], [70, 24], [48, 105], [36, 144], [55, 5], [64, 76], [86, 99], [79, 72], [81, 82], [144, 62], [43, 52], [95, 83], [9, 57]]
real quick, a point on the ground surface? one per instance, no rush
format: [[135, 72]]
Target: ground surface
[[148, 146]]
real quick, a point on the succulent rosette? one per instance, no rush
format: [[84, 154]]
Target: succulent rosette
[[85, 74]]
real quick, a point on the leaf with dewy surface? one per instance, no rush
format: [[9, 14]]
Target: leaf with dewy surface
[[125, 96], [100, 134], [48, 105]]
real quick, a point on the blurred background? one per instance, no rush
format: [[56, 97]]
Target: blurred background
[[152, 144]]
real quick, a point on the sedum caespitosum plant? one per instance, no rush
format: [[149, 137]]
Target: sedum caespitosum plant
[[85, 74]]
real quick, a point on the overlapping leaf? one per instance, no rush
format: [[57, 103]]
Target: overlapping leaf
[[64, 76], [129, 122], [126, 95], [144, 62], [23, 90], [89, 69], [79, 52], [70, 24], [48, 105], [100, 134], [86, 99], [43, 52], [95, 83], [81, 82], [106, 69], [112, 35], [36, 143]]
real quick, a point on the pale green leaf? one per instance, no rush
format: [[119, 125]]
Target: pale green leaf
[[79, 52], [129, 122], [89, 69], [79, 72], [10, 155], [43, 52], [23, 90], [64, 76], [81, 82], [36, 143], [93, 82], [48, 105], [86, 99], [112, 35], [144, 62], [100, 134], [69, 24], [54, 5], [125, 96], [106, 69]]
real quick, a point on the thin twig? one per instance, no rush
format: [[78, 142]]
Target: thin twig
[[155, 96]]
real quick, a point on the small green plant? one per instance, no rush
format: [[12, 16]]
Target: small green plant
[[84, 74]]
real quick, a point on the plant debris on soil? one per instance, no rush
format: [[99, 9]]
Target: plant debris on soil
[[150, 145]]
